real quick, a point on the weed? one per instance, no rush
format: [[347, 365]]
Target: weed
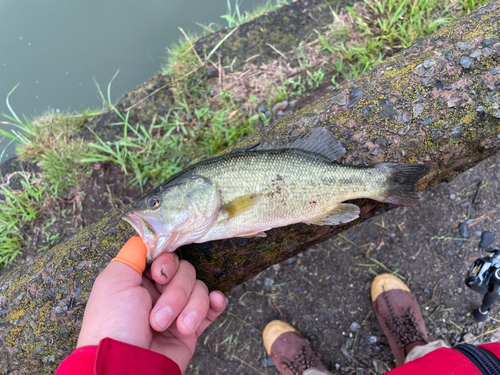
[[470, 5], [315, 78], [281, 94], [334, 80], [258, 117], [189, 133], [18, 208], [326, 45], [50, 141], [373, 30], [233, 19], [253, 99], [297, 85], [236, 17]]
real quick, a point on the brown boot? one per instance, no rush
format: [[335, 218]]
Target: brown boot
[[289, 351], [399, 315]]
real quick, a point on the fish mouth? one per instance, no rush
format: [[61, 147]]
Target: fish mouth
[[155, 241], [141, 226]]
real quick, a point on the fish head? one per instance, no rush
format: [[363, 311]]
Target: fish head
[[174, 215]]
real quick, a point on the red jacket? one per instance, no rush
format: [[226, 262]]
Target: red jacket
[[113, 357]]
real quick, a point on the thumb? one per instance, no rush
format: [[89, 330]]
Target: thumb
[[126, 269], [133, 254], [116, 297]]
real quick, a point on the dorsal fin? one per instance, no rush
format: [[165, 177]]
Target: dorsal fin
[[321, 141], [318, 140]]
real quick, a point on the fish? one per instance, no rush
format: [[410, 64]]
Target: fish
[[248, 191]]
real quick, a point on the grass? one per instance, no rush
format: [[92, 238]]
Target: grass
[[188, 133], [18, 208], [470, 5], [235, 17], [371, 31], [363, 36], [51, 141], [358, 39]]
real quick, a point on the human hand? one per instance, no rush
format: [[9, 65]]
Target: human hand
[[166, 316]]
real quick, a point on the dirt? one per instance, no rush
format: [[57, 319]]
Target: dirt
[[327, 288]]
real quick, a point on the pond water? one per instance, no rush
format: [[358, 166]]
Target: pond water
[[54, 48]]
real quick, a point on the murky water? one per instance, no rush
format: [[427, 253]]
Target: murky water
[[54, 48]]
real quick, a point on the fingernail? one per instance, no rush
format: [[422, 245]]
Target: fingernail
[[164, 316], [191, 321]]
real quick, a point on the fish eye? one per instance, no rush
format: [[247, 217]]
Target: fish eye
[[154, 202]]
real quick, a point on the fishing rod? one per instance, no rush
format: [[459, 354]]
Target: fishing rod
[[484, 276]]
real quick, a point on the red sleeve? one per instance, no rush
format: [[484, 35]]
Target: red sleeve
[[443, 361], [81, 361], [113, 357]]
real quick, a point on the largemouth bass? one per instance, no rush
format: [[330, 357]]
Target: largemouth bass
[[248, 191]]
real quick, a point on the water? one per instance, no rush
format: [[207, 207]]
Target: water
[[54, 48]]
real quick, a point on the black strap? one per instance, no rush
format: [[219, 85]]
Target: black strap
[[483, 359]]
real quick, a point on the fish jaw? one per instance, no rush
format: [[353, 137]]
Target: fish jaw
[[159, 239], [153, 238]]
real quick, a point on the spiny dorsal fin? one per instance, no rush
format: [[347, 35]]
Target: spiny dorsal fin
[[318, 140], [240, 205], [321, 141]]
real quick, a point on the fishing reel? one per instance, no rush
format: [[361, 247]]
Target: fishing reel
[[484, 276]]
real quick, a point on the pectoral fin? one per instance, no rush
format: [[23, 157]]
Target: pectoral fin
[[343, 213], [240, 205]]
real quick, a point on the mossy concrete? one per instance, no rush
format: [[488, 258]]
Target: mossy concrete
[[436, 102]]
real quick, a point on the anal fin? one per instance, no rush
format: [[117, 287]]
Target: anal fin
[[343, 213], [257, 233]]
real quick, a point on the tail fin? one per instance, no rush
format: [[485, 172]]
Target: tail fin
[[401, 182]]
